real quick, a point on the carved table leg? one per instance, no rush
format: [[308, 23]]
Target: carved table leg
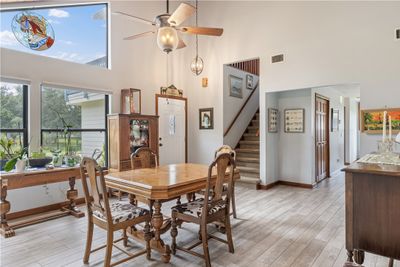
[[359, 256], [349, 256], [157, 243], [72, 194], [5, 229]]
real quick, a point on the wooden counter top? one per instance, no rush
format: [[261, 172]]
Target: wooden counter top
[[369, 168]]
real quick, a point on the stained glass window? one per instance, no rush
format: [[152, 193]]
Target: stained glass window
[[76, 33]]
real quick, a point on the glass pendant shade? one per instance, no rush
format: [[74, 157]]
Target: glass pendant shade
[[197, 65], [167, 39]]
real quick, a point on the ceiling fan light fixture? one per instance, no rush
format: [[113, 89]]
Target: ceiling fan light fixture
[[197, 65], [167, 39]]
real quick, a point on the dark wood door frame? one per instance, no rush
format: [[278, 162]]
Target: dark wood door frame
[[327, 130], [186, 118]]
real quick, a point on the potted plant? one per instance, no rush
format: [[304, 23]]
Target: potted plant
[[15, 159]]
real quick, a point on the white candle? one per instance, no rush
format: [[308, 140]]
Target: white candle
[[384, 127], [390, 128]]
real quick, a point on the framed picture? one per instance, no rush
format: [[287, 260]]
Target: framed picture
[[249, 82], [206, 118], [294, 120], [335, 120], [235, 86], [273, 120], [372, 120]]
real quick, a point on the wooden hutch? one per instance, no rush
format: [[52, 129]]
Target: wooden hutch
[[127, 133]]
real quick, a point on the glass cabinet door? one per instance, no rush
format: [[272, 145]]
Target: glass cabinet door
[[139, 134]]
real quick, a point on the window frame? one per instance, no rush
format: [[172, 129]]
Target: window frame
[[25, 110], [75, 130]]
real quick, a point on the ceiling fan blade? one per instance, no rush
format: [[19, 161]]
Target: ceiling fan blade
[[139, 35], [203, 30], [138, 19], [182, 13], [181, 44]]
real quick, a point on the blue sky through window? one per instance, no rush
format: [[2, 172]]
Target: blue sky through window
[[80, 32]]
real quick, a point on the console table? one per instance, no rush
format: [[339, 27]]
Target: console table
[[372, 211], [29, 178]]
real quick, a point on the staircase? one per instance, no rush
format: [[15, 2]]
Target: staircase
[[248, 153]]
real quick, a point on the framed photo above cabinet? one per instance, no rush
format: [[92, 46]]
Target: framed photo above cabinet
[[131, 101]]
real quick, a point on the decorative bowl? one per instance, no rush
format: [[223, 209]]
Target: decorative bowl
[[39, 162]]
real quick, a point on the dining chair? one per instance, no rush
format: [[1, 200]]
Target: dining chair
[[145, 157], [229, 150], [214, 207], [111, 217], [232, 152]]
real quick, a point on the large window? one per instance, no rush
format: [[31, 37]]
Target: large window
[[73, 33], [13, 115], [79, 113]]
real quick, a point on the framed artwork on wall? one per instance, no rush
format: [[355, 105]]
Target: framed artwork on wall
[[235, 86], [206, 118], [273, 120], [249, 82], [294, 120], [372, 120], [335, 120]]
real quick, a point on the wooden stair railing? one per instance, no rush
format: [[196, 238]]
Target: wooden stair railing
[[251, 66], [241, 109]]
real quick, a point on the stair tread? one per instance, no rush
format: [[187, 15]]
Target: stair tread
[[248, 159], [255, 142], [250, 134], [249, 169], [255, 150]]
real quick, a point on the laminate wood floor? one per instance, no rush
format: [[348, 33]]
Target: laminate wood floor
[[284, 226]]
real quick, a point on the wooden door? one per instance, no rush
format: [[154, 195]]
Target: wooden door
[[172, 130], [321, 137]]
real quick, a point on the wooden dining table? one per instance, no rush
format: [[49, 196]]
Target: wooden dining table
[[158, 185]]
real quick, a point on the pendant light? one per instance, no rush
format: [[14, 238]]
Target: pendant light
[[197, 64]]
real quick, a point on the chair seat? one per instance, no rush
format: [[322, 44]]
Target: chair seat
[[195, 208], [122, 211]]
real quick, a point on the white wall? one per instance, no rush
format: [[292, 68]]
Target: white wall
[[353, 133], [231, 106], [324, 43], [295, 149]]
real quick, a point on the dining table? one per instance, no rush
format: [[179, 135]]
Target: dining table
[[159, 185]]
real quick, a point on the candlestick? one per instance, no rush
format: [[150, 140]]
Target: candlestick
[[384, 126], [390, 128]]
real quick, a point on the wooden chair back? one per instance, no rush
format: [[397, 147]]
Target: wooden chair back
[[144, 155], [225, 149], [221, 163], [96, 198]]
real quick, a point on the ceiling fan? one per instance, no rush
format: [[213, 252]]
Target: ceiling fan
[[167, 26]]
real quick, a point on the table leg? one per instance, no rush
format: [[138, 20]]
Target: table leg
[[350, 255], [72, 194], [5, 229], [359, 256], [157, 243]]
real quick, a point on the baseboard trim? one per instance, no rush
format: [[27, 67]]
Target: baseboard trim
[[42, 209], [281, 182]]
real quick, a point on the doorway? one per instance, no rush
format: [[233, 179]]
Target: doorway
[[172, 112], [322, 153]]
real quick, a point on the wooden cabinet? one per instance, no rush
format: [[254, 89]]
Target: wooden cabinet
[[126, 133], [372, 211]]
